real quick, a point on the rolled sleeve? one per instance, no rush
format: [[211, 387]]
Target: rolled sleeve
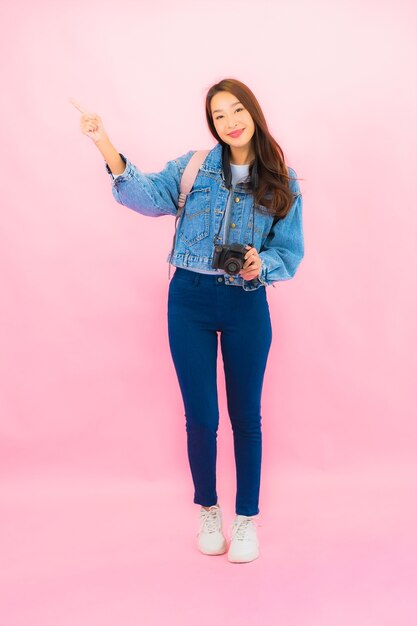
[[115, 176], [262, 272]]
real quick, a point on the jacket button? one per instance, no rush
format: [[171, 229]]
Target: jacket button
[[237, 199], [220, 279], [233, 225]]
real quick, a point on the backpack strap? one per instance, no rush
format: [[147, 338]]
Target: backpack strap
[[189, 175], [187, 181]]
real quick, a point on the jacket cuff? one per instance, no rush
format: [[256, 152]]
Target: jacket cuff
[[126, 172], [262, 273], [259, 280]]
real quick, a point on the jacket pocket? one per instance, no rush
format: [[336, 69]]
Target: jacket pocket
[[195, 223]]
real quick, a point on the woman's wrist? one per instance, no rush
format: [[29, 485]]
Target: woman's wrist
[[111, 156]]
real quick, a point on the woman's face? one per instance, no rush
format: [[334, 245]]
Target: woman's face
[[228, 116]]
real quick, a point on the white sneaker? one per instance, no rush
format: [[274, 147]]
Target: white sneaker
[[244, 544], [211, 539]]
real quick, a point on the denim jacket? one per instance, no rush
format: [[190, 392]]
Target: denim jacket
[[280, 245]]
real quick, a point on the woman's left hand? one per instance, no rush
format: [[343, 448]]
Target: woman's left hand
[[252, 265]]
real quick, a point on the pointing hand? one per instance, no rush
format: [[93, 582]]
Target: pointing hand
[[90, 123]]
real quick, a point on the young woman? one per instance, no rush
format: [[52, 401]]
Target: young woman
[[243, 194]]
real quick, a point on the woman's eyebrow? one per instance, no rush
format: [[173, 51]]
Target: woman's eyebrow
[[232, 105]]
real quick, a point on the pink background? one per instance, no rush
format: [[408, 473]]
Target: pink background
[[97, 523]]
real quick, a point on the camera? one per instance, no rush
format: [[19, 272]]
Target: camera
[[229, 257]]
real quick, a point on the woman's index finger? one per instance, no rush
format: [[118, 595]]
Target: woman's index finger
[[78, 106]]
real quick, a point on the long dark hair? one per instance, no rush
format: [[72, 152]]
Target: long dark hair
[[273, 190]]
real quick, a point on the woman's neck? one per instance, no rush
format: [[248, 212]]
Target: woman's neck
[[241, 156]]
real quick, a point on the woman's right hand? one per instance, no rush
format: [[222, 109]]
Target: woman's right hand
[[90, 123]]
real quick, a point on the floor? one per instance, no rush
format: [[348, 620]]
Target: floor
[[336, 549]]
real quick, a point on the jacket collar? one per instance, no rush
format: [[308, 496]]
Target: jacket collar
[[218, 161]]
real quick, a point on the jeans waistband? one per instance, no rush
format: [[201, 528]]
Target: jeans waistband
[[198, 278]]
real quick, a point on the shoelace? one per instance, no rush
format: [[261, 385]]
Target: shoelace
[[240, 528], [210, 520]]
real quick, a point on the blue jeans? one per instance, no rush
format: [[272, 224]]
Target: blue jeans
[[200, 306]]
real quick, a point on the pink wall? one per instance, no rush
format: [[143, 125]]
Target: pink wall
[[92, 436], [86, 374]]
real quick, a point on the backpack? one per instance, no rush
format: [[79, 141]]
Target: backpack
[[187, 181]]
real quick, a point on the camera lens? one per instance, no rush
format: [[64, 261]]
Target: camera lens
[[232, 266]]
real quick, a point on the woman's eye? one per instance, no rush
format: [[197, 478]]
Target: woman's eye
[[238, 109]]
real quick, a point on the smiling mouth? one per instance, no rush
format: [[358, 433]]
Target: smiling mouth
[[236, 132]]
